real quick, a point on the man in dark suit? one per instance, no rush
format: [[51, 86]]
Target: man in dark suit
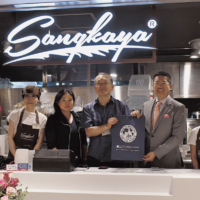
[[165, 125]]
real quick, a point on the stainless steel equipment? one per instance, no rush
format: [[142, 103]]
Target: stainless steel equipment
[[195, 115], [185, 77]]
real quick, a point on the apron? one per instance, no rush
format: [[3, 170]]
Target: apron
[[198, 148], [26, 137]]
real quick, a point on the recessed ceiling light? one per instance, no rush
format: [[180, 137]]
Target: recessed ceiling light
[[113, 75], [193, 56]]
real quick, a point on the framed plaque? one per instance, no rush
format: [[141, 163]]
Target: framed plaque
[[128, 138]]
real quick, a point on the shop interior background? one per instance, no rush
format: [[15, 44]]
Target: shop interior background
[[178, 24]]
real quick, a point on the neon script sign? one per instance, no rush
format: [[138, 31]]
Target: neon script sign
[[112, 42]]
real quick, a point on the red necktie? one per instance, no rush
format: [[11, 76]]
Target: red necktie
[[156, 113]]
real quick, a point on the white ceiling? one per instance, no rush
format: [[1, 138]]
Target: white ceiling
[[20, 5], [13, 2]]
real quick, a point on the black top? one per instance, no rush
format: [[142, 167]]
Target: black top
[[59, 132], [74, 145]]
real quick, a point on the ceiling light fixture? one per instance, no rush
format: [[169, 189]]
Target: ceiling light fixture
[[193, 56], [30, 5], [195, 45], [113, 75]]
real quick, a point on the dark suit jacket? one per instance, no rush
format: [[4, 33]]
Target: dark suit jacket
[[168, 133]]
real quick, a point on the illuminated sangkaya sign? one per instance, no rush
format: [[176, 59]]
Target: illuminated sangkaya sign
[[82, 41]]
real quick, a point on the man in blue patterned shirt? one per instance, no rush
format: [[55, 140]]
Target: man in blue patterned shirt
[[98, 118]]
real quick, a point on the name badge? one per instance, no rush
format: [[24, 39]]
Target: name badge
[[107, 132], [36, 126]]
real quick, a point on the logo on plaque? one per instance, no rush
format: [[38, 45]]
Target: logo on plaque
[[128, 133]]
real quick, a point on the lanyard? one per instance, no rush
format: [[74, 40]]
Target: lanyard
[[105, 115]]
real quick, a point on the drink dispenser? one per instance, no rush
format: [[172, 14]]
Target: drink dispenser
[[139, 90]]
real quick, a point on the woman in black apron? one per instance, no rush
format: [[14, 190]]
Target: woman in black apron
[[26, 135]]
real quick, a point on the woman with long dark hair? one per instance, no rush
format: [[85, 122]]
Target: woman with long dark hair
[[63, 127]]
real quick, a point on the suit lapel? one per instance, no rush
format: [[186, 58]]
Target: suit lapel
[[165, 110], [148, 113]]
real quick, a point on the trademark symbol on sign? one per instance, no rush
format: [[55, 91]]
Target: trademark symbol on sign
[[152, 23]]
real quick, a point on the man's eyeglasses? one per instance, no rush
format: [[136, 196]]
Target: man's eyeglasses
[[164, 83], [102, 84]]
